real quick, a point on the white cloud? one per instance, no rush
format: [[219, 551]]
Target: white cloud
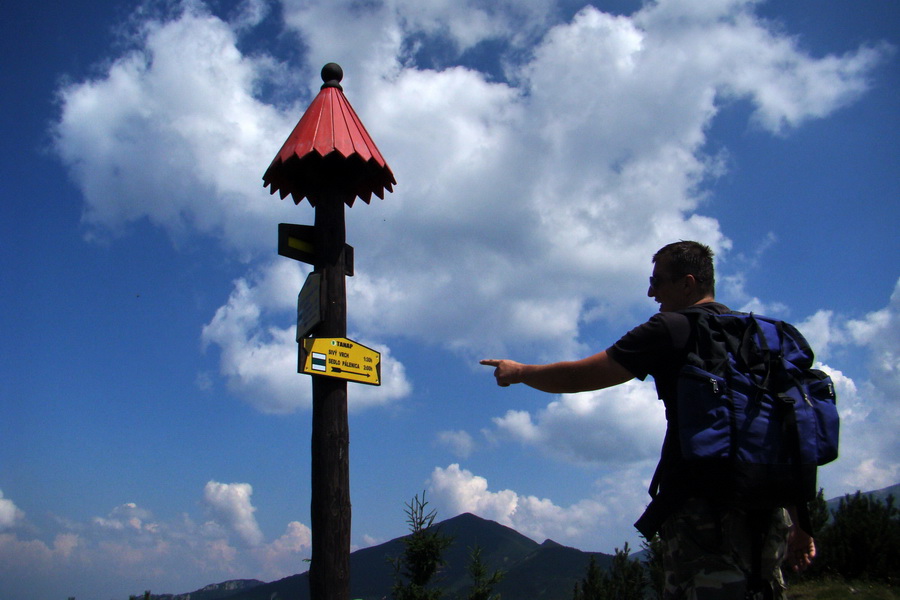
[[526, 208], [284, 556], [460, 443], [745, 58], [9, 513], [109, 556], [259, 361], [458, 490], [230, 503], [126, 516], [622, 424], [173, 133], [389, 34], [259, 358], [250, 13], [19, 556], [880, 331], [820, 333], [176, 131], [587, 184], [870, 450]]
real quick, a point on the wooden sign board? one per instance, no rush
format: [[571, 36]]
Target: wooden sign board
[[309, 305], [340, 358], [296, 241]]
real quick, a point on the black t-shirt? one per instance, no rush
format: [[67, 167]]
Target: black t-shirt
[[657, 347]]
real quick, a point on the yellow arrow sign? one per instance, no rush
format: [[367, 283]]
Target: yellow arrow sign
[[341, 358]]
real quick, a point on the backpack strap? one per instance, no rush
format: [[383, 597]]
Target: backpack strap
[[664, 502], [793, 432]]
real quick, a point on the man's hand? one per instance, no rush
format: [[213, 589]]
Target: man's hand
[[506, 371], [801, 549]]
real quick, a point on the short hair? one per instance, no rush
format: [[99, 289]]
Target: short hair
[[690, 258]]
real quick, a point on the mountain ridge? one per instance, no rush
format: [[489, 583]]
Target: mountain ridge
[[545, 571]]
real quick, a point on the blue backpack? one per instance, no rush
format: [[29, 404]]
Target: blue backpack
[[753, 411], [751, 421]]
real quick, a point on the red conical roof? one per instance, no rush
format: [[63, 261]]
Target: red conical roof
[[329, 152]]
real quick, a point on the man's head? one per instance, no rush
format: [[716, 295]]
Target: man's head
[[683, 275]]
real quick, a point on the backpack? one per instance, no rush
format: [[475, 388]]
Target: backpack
[[751, 420]]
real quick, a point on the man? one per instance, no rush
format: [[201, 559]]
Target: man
[[708, 549]]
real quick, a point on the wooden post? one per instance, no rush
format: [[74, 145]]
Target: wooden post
[[329, 572], [330, 159]]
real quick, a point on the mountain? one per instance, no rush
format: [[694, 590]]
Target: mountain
[[215, 591], [534, 571], [879, 495]]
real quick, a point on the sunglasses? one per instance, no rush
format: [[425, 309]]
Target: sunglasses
[[655, 281]]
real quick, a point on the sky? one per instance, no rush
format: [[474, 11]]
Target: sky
[[155, 433]]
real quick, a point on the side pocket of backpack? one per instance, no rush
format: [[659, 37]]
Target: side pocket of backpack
[[704, 418], [817, 417]]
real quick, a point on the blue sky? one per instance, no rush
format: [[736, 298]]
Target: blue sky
[[155, 434]]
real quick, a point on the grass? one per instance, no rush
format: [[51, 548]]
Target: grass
[[838, 589]]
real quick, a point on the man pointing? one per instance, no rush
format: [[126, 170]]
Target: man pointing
[[707, 547]]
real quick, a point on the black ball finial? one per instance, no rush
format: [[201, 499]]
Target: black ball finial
[[332, 74]]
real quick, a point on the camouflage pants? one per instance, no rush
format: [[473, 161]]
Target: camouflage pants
[[708, 552]]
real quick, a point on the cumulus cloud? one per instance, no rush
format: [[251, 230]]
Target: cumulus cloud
[[458, 490], [284, 556], [529, 201], [177, 131], [880, 331], [259, 357], [171, 125], [870, 452], [621, 424], [744, 58], [9, 513], [126, 516], [132, 544], [231, 506], [460, 443]]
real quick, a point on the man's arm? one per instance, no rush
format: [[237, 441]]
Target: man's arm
[[801, 548], [566, 377]]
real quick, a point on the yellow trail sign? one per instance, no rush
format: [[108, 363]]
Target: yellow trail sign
[[340, 358]]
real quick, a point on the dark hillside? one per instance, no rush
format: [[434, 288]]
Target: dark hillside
[[535, 571]]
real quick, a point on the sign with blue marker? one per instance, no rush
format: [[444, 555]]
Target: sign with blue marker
[[340, 358]]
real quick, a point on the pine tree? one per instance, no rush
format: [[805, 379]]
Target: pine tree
[[862, 541], [593, 585], [482, 584], [625, 580], [653, 565], [818, 512], [422, 556]]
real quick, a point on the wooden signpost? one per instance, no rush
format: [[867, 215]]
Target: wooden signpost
[[329, 159]]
